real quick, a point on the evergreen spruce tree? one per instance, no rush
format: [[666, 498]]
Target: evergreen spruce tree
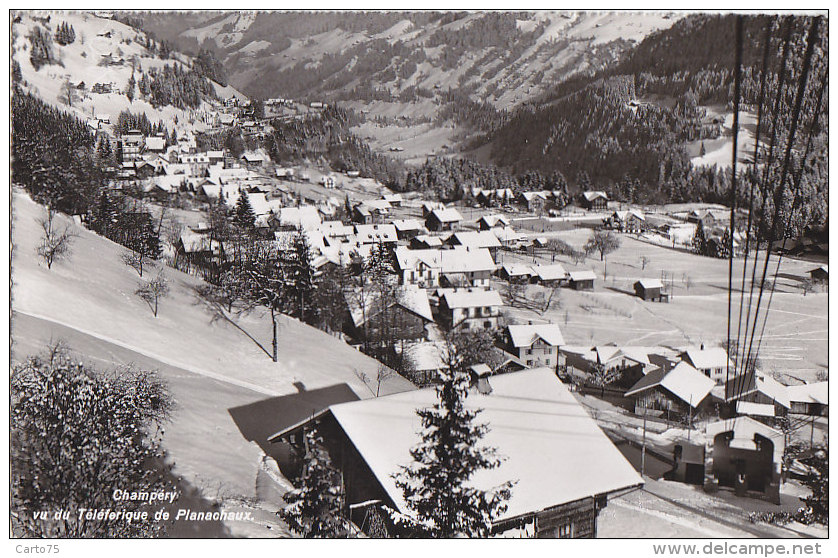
[[436, 485], [301, 279], [725, 247], [244, 218], [104, 215], [314, 508], [700, 240], [130, 87], [151, 239]]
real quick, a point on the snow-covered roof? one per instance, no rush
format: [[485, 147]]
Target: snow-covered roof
[[447, 215], [744, 431], [335, 228], [683, 381], [476, 239], [429, 240], [369, 234], [409, 259], [415, 300], [259, 203], [493, 220], [518, 270], [550, 272], [754, 409], [466, 260], [594, 194], [623, 215], [608, 353], [529, 196], [560, 457], [409, 297], [154, 143], [650, 283], [471, 298], [196, 242], [408, 225], [254, 157], [391, 198], [524, 335], [305, 217], [382, 206], [425, 356], [816, 392], [506, 234], [714, 357], [581, 275], [824, 268]]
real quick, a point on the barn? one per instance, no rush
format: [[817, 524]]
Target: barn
[[650, 289], [581, 280]]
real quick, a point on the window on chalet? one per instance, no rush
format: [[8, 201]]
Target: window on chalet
[[565, 531]]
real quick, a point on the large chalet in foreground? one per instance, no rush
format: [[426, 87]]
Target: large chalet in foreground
[[564, 465]]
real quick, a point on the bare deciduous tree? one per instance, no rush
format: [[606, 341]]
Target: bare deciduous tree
[[381, 376], [134, 260], [152, 291], [55, 242], [68, 92]]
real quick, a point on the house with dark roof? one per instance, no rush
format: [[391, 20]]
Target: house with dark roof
[[258, 421]]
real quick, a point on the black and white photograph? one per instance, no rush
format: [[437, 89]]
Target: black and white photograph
[[404, 273]]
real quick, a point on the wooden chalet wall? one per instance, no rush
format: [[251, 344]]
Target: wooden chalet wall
[[573, 520]]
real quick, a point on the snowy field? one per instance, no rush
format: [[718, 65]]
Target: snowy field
[[794, 346]]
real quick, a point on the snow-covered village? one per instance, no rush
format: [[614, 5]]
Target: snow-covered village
[[418, 275]]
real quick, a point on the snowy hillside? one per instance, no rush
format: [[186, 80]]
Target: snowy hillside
[[542, 49], [104, 51], [93, 293]]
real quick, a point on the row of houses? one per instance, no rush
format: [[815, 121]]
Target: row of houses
[[537, 201]]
